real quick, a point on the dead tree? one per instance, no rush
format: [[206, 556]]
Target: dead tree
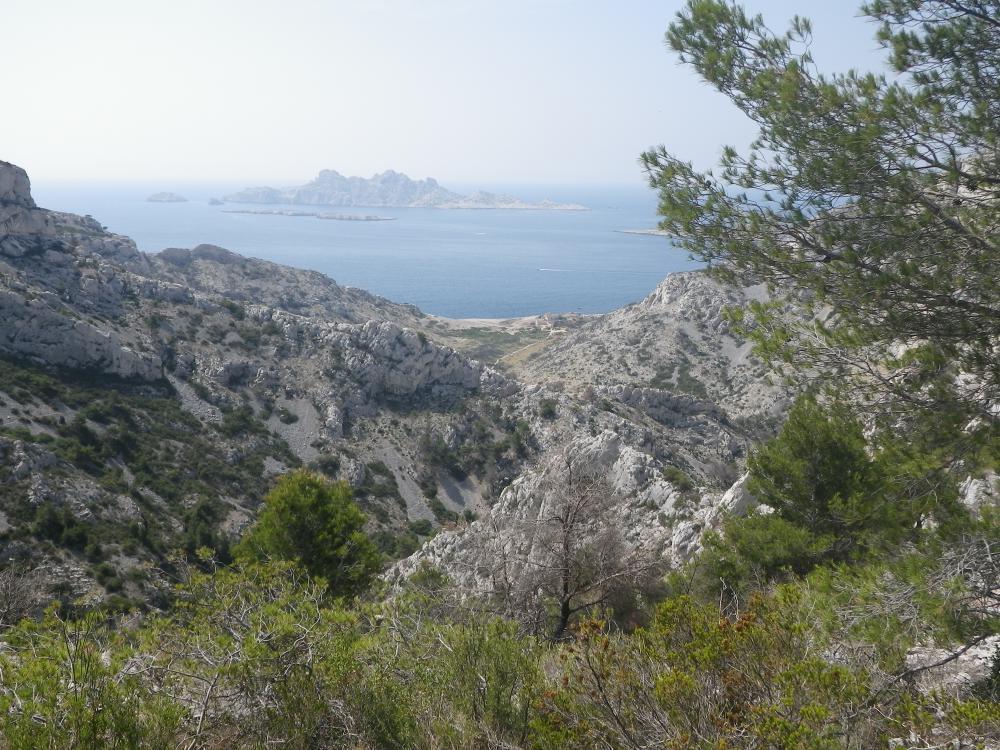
[[569, 556]]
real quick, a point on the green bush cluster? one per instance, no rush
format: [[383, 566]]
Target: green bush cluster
[[295, 629], [548, 408], [167, 450], [832, 498], [480, 452], [380, 484]]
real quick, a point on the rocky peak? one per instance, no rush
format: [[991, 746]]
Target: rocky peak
[[15, 187], [23, 227]]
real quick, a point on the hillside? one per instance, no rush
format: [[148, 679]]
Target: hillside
[[149, 400]]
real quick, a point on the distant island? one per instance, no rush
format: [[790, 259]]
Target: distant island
[[651, 232], [215, 202], [286, 212], [388, 189], [166, 198]]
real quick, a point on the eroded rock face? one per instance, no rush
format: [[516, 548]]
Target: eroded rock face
[[25, 458], [399, 362], [652, 514], [15, 187], [34, 330], [676, 341], [24, 229], [56, 290], [980, 492]]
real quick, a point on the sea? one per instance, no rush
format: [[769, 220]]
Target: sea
[[455, 263]]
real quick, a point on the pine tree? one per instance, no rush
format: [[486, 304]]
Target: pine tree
[[871, 203], [315, 523]]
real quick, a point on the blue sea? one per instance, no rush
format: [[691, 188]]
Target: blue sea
[[456, 263]]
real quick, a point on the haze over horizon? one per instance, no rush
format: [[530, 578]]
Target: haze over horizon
[[547, 91]]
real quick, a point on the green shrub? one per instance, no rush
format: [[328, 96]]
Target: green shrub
[[547, 408], [750, 554], [817, 474], [428, 484], [327, 464], [396, 546], [201, 530], [74, 690], [59, 525], [753, 680], [241, 421], [421, 527], [315, 523], [235, 309], [678, 478], [380, 483], [441, 512]]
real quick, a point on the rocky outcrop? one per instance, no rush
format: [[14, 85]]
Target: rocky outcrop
[[399, 362], [35, 329], [216, 272], [15, 187], [55, 289], [953, 671], [24, 229], [676, 341], [652, 514]]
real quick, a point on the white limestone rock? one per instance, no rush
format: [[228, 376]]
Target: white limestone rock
[[958, 674]]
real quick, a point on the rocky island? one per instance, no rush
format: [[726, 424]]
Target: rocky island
[[166, 198], [387, 189]]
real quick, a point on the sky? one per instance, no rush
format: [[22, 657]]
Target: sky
[[467, 91]]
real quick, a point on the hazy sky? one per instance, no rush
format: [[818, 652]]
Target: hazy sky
[[469, 91]]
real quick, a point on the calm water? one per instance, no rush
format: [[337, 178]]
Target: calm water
[[454, 263]]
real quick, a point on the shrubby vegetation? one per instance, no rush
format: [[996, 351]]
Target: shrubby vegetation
[[773, 637], [830, 496], [802, 646], [481, 449], [109, 429], [258, 653]]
